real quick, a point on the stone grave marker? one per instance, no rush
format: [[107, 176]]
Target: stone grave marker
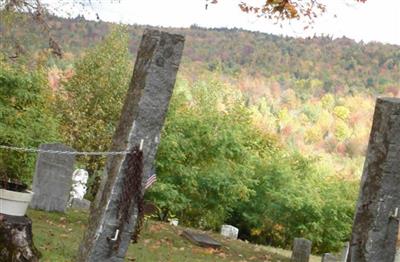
[[397, 256], [345, 252], [301, 250], [108, 237], [82, 204], [229, 231], [328, 257], [200, 239], [53, 179], [376, 221]]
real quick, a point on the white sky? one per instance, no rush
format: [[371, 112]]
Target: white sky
[[376, 20]]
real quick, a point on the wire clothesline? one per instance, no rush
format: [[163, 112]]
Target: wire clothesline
[[80, 153]]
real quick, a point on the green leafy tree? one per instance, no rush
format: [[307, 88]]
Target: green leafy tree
[[25, 118], [292, 199], [207, 155], [90, 102]]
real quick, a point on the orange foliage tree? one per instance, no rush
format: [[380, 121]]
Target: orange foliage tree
[[284, 9]]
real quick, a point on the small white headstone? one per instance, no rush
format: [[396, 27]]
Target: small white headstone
[[229, 231], [174, 222]]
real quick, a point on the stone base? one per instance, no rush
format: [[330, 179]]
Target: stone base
[[327, 257], [82, 204], [16, 242]]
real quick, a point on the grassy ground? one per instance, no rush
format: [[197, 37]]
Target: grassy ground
[[58, 236]]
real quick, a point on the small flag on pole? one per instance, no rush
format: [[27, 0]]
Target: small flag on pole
[[150, 181]]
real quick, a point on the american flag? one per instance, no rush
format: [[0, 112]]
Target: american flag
[[150, 180]]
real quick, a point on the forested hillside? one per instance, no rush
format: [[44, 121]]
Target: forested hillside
[[340, 64], [267, 133]]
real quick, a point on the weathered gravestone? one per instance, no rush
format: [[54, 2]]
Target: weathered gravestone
[[376, 221], [142, 118], [229, 231], [328, 257], [301, 250], [201, 239], [397, 256], [345, 252], [77, 203], [53, 178]]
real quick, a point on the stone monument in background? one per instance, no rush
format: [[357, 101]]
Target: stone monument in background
[[53, 178]]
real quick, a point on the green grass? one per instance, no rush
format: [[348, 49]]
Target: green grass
[[58, 236]]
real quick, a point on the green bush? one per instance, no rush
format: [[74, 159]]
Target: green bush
[[205, 162], [89, 103], [25, 118], [293, 200]]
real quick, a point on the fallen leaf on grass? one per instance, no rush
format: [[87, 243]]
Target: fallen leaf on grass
[[266, 258], [222, 255], [156, 227], [146, 241], [155, 246], [205, 250]]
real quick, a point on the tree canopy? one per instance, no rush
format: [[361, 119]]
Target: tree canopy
[[284, 9]]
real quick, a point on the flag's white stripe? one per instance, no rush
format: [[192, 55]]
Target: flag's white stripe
[[150, 181], [148, 185]]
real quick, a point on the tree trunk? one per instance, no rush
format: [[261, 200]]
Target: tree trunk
[[16, 244]]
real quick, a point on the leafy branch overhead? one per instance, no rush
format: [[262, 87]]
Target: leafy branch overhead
[[37, 11], [284, 9]]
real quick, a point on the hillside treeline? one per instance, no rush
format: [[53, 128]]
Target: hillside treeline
[[339, 63]]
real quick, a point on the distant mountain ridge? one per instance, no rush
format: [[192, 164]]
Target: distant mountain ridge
[[339, 62]]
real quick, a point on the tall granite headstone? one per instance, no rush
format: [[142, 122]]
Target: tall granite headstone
[[376, 221], [301, 250], [142, 118], [397, 256], [53, 179]]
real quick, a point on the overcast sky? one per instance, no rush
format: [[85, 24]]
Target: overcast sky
[[376, 20]]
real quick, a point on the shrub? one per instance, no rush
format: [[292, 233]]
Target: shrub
[[25, 118]]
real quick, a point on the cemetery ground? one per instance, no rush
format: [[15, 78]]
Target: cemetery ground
[[58, 235]]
